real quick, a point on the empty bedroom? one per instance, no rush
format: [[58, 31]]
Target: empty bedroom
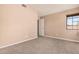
[[39, 28]]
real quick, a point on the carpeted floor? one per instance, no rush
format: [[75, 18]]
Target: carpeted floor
[[43, 45]]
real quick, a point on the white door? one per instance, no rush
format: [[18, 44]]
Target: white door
[[41, 27]]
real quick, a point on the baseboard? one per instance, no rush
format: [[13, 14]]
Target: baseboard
[[18, 42], [62, 38]]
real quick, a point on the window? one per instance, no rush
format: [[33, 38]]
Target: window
[[72, 22]]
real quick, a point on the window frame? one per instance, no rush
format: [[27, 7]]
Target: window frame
[[77, 14]]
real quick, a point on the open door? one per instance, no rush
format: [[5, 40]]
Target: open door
[[41, 26]]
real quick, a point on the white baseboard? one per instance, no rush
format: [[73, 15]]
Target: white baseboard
[[35, 38], [62, 38], [18, 42]]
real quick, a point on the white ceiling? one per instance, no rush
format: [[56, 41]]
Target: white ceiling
[[45, 9]]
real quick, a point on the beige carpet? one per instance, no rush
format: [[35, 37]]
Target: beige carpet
[[43, 45]]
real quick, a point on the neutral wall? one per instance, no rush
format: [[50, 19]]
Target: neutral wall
[[17, 24], [55, 25]]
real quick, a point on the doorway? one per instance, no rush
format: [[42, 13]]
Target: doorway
[[41, 27]]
